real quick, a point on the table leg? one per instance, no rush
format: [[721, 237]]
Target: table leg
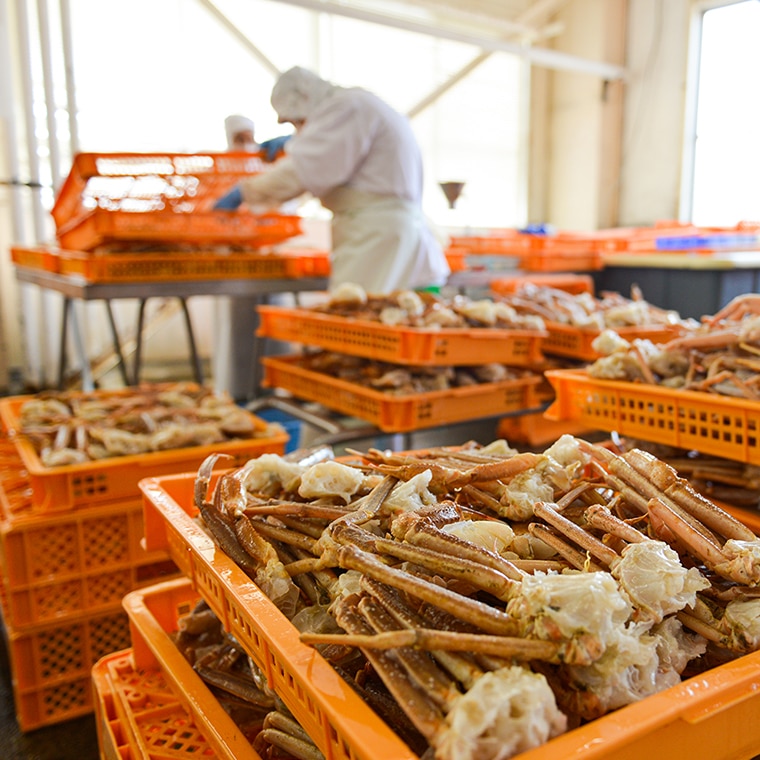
[[116, 343], [88, 384], [197, 369], [138, 340], [64, 335]]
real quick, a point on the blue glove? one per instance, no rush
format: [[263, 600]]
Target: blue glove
[[274, 146], [231, 201]]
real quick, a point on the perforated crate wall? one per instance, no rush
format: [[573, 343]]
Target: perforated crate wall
[[40, 548], [51, 666]]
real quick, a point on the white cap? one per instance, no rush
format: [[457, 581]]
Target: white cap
[[297, 92], [235, 124]]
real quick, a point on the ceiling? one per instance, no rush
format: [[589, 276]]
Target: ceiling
[[522, 27]]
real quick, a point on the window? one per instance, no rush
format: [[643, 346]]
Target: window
[[726, 148]]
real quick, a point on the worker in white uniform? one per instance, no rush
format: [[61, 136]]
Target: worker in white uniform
[[235, 318], [360, 158]]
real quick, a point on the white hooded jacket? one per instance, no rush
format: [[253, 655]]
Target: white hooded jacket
[[360, 158]]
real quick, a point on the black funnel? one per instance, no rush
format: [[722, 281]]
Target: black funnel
[[451, 190]]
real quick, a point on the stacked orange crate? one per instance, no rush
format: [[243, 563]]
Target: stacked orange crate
[[519, 349], [70, 549]]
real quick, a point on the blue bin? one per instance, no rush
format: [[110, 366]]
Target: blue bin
[[291, 424]]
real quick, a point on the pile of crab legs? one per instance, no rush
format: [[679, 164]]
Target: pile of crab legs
[[500, 597]]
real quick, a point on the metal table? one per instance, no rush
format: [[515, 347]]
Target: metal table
[[76, 288], [691, 283]]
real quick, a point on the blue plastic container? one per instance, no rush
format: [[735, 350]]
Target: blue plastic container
[[291, 424]]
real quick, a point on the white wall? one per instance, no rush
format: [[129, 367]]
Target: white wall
[[657, 41]]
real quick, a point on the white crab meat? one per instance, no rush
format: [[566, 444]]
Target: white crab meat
[[483, 311], [330, 479], [488, 534], [637, 664], [540, 482], [348, 293], [410, 495], [570, 604], [676, 647], [742, 561], [270, 473], [393, 315], [625, 673], [410, 302], [652, 575], [742, 618], [506, 712], [498, 448], [522, 492], [609, 342]]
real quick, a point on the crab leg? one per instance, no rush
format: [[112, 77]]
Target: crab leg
[[577, 559], [584, 539], [678, 489], [483, 615], [460, 666], [510, 647], [480, 576], [421, 710], [423, 534]]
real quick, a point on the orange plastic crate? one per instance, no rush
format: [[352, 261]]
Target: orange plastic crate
[[116, 478], [135, 181], [116, 197], [697, 719], [51, 665], [35, 258], [139, 716], [146, 267], [562, 260], [536, 430], [399, 414], [90, 559], [575, 342], [456, 258], [337, 720], [153, 613], [401, 345], [570, 283], [718, 425], [101, 227]]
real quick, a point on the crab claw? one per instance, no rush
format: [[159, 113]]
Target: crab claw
[[202, 480]]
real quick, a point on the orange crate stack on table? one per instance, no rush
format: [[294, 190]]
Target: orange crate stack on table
[[413, 348]]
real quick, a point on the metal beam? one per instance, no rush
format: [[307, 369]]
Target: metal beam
[[235, 32], [552, 59]]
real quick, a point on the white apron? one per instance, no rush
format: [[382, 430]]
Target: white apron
[[382, 243]]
